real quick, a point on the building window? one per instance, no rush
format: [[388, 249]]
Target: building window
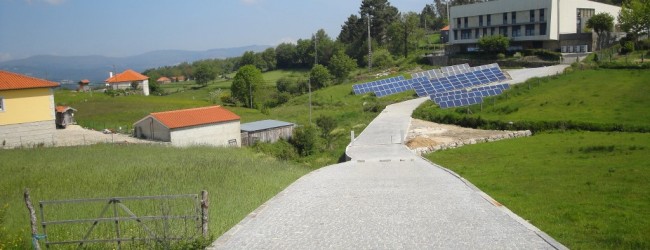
[[516, 31], [465, 34], [466, 22], [542, 29], [489, 20], [530, 30], [514, 17], [485, 32], [503, 30], [476, 34], [458, 22], [480, 21], [541, 15], [505, 18], [455, 34], [532, 16], [2, 104], [492, 31]]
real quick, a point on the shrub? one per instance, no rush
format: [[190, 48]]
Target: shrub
[[228, 100], [496, 43], [305, 140], [281, 149], [628, 47], [501, 56]]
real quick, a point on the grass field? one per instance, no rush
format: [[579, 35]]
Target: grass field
[[587, 190], [592, 96], [238, 180]]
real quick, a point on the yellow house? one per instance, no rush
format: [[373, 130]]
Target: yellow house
[[26, 111]]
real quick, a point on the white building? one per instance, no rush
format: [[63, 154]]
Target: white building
[[127, 80], [213, 126], [558, 25]]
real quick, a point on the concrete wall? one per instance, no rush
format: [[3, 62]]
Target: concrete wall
[[27, 134], [26, 106], [151, 129], [212, 134], [569, 8]]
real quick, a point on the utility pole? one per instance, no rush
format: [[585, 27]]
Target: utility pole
[[250, 94], [369, 45], [316, 49], [309, 86]]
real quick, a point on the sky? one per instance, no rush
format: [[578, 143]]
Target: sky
[[119, 28]]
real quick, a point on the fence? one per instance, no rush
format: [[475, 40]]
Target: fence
[[132, 222]]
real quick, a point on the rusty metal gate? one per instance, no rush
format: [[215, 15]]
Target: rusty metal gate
[[142, 222]]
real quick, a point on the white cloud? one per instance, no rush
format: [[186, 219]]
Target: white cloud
[[249, 2], [5, 57], [51, 2]]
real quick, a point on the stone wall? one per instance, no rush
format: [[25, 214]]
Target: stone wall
[[460, 143], [27, 134]]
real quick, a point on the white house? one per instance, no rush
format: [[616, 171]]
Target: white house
[[214, 126], [127, 79], [550, 24]]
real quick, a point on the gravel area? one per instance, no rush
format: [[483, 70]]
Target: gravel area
[[75, 135]]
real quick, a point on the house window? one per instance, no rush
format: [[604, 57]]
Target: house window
[[465, 34], [489, 20], [2, 104], [466, 23], [476, 34], [530, 30], [514, 17], [505, 18], [542, 29], [516, 31], [480, 21], [532, 16], [541, 15], [503, 30]]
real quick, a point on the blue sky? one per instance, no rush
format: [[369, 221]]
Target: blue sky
[[130, 27]]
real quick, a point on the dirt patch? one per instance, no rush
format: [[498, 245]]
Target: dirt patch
[[74, 135], [425, 137]]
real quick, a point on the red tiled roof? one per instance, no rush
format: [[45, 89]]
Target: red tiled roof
[[163, 79], [193, 117], [63, 109], [85, 81], [445, 28], [127, 76], [10, 80]]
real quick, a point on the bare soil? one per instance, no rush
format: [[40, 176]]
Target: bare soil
[[424, 134]]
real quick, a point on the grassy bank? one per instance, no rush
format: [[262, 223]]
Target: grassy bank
[[607, 98], [238, 180], [587, 190]]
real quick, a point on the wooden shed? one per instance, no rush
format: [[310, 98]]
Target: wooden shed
[[64, 116], [265, 131], [211, 126]]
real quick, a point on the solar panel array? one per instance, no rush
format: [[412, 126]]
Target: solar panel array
[[460, 98], [375, 86], [452, 86]]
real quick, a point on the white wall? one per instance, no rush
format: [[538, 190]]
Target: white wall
[[568, 9], [212, 134]]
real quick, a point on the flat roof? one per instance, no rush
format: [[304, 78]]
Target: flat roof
[[263, 125]]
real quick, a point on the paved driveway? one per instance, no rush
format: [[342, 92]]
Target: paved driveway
[[384, 198]]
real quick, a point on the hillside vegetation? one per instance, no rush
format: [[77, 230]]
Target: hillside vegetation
[[238, 180]]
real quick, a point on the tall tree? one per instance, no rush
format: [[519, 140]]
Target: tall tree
[[285, 55], [246, 84], [635, 18], [269, 59], [248, 58], [602, 24], [204, 74], [341, 65], [320, 77], [404, 34], [381, 14]]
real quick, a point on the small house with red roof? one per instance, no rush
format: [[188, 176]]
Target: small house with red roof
[[129, 79], [213, 126], [83, 85], [163, 80], [444, 34], [64, 116], [26, 110]]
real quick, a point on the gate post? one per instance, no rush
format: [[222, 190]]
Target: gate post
[[204, 213], [32, 220]]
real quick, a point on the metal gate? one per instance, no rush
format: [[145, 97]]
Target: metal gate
[[142, 222]]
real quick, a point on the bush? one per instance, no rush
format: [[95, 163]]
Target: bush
[[628, 47], [501, 56], [281, 149], [496, 43], [228, 100], [305, 140]]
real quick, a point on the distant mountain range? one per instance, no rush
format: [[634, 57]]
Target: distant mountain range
[[97, 68]]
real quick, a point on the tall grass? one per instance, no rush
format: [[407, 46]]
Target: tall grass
[[587, 190], [238, 180]]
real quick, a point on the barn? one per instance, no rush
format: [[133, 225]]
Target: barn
[[212, 126], [265, 131]]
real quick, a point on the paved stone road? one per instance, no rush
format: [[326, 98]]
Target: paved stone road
[[384, 198]]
